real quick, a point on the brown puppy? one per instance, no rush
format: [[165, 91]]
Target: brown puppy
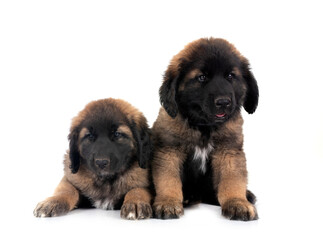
[[198, 133], [109, 147]]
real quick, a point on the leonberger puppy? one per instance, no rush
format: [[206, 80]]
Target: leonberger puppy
[[198, 135], [109, 147]]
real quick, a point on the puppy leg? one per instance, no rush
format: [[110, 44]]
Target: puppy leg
[[166, 176], [137, 204], [65, 198], [231, 180]]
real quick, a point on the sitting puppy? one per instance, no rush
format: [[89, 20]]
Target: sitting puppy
[[198, 133], [108, 150]]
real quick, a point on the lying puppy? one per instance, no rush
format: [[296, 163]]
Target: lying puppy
[[198, 133], [109, 147]]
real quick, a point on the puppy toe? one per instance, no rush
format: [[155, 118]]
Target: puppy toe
[[128, 211], [133, 211], [168, 210], [144, 211], [51, 207], [239, 209]]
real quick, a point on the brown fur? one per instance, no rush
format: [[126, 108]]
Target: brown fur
[[131, 185], [175, 140]]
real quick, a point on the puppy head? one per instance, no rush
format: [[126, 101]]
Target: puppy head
[[107, 136], [207, 82]]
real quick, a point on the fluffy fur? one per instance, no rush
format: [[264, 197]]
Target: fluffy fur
[[198, 133], [104, 167]]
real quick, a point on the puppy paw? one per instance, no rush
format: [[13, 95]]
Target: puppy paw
[[51, 207], [168, 209], [133, 211], [239, 209]]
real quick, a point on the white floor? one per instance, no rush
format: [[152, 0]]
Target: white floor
[[278, 220]]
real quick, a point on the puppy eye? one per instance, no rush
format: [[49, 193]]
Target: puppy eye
[[90, 137], [201, 78], [230, 76], [117, 134]]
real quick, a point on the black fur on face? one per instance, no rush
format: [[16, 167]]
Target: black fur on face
[[210, 84], [106, 152], [108, 143]]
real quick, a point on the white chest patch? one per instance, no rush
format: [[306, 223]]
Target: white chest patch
[[105, 204], [201, 155]]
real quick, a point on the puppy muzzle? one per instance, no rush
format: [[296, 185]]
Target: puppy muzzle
[[102, 163]]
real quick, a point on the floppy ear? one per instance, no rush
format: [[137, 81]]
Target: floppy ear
[[74, 153], [144, 145], [252, 94], [167, 94]]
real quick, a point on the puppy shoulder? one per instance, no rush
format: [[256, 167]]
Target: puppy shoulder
[[82, 177], [230, 133], [234, 124], [67, 164], [134, 177]]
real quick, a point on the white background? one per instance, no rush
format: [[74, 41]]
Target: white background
[[56, 56]]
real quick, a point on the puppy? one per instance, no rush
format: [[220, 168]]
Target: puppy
[[198, 133], [109, 147]]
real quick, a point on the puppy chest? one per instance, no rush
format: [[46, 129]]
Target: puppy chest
[[104, 196], [106, 204], [197, 174], [200, 158]]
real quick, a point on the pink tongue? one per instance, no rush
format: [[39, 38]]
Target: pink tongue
[[220, 115]]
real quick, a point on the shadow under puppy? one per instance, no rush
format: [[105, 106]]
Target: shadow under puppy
[[109, 147], [198, 139]]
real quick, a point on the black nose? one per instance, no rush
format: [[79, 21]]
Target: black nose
[[101, 163], [223, 102]]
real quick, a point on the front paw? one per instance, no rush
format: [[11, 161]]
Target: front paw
[[51, 207], [239, 209], [133, 211], [168, 209]]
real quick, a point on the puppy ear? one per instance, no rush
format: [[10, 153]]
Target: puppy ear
[[167, 93], [252, 94], [144, 145], [74, 153]]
